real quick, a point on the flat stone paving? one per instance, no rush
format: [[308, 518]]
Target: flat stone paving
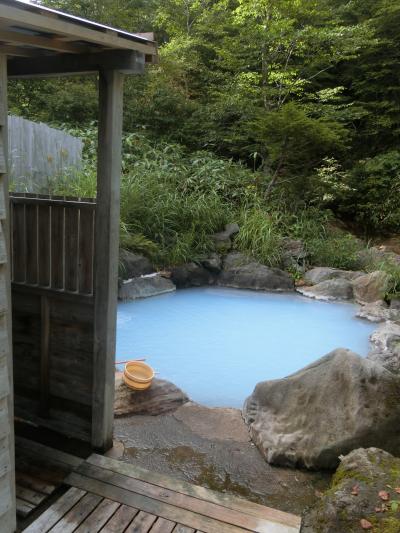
[[212, 448]]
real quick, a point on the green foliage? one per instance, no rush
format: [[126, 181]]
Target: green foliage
[[260, 236], [374, 199]]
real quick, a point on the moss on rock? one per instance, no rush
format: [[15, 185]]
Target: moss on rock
[[356, 493]]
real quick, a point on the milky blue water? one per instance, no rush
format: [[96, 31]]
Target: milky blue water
[[216, 343]]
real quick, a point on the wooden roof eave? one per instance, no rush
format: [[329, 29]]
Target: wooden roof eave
[[42, 42]]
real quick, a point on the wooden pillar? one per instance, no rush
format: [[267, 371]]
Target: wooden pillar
[[106, 255], [7, 461]]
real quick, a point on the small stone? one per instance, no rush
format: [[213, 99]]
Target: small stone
[[365, 524]]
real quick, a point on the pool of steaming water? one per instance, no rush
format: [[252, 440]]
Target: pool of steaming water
[[216, 343]]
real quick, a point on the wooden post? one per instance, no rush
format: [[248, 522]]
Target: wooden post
[[7, 460], [106, 255]]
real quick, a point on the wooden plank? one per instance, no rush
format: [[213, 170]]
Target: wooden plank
[[52, 455], [23, 507], [66, 27], [148, 505], [5, 462], [44, 356], [97, 520], [3, 251], [141, 523], [19, 243], [2, 203], [30, 482], [86, 251], [44, 200], [163, 526], [31, 222], [230, 502], [120, 520], [7, 491], [106, 255], [18, 38], [31, 496], [3, 160], [43, 245], [4, 379], [56, 512], [71, 248], [179, 528], [206, 508], [73, 518], [57, 247], [122, 61]]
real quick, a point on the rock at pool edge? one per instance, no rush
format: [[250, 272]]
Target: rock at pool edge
[[339, 403]]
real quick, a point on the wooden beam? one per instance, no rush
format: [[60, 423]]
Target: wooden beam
[[8, 519], [18, 38], [106, 256], [18, 51], [31, 17], [125, 61]]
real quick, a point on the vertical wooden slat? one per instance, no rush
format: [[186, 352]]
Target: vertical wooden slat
[[19, 243], [31, 223], [44, 356], [44, 245], [86, 250], [106, 256], [71, 248], [57, 247]]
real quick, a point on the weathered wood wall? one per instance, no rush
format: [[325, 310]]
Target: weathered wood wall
[[7, 473], [52, 242], [38, 153]]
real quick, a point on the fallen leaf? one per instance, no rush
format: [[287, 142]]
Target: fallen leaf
[[397, 489], [355, 490], [378, 510], [319, 494], [394, 506], [383, 495], [365, 524]]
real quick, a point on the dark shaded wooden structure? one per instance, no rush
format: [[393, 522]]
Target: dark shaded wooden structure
[[64, 252]]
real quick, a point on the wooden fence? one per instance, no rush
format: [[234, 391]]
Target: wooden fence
[[38, 153], [52, 269]]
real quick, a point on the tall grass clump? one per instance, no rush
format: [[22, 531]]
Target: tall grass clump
[[260, 235]]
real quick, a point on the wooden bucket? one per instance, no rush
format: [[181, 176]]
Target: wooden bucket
[[138, 375]]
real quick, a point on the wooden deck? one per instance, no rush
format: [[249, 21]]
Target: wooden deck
[[40, 471], [111, 496]]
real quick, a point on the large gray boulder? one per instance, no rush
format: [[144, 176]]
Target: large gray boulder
[[339, 403], [144, 287], [242, 272], [331, 289], [362, 496], [191, 275], [319, 274], [370, 287], [162, 397], [133, 265]]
